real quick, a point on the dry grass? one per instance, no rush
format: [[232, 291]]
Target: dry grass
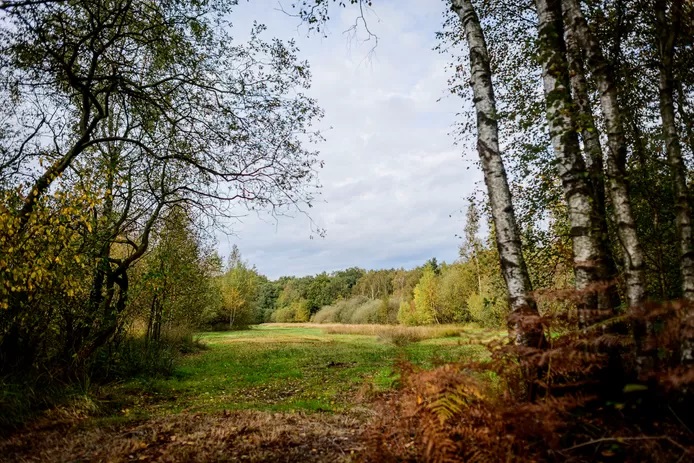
[[228, 436], [397, 334], [278, 339], [400, 334]]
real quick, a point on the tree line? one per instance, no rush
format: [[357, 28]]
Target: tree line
[[471, 289]]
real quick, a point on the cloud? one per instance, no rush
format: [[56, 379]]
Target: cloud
[[393, 177]]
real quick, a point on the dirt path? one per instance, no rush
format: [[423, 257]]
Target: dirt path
[[229, 436]]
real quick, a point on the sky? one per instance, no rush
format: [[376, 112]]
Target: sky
[[394, 184]]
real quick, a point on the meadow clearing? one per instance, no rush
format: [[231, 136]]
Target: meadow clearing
[[278, 392]]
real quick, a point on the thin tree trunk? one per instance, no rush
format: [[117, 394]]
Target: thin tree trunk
[[608, 298], [685, 116], [589, 259], [617, 151], [666, 49], [151, 320], [524, 323]]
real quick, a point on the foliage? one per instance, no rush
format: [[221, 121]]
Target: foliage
[[454, 285], [432, 293], [119, 113], [239, 287], [426, 304], [356, 310], [479, 411], [374, 284], [296, 311], [173, 283]]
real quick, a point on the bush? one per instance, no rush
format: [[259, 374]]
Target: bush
[[401, 336], [134, 356], [297, 311], [327, 314], [356, 310], [388, 311], [489, 313], [366, 312], [26, 397], [407, 313]]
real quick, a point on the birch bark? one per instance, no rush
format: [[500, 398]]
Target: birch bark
[[524, 323], [588, 255], [608, 298], [666, 50], [617, 149]]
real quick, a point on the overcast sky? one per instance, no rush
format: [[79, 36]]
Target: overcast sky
[[394, 184]]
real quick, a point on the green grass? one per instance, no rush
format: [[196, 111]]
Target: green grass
[[283, 368]]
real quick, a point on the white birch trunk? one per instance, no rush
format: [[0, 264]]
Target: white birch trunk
[[524, 325], [588, 256], [608, 299], [666, 49], [617, 150]]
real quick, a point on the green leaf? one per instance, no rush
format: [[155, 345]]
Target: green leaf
[[635, 388]]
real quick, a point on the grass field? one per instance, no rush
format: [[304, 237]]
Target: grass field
[[280, 367], [273, 392]]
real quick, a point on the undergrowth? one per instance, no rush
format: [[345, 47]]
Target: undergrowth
[[70, 395], [592, 394]]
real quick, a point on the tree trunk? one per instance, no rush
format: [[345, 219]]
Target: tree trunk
[[617, 151], [608, 300], [149, 337], [524, 322], [685, 116], [589, 258], [666, 50]]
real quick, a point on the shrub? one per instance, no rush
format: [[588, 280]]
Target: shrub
[[388, 311], [407, 313], [401, 336], [366, 312], [134, 357], [297, 311], [358, 309], [327, 314], [490, 313]]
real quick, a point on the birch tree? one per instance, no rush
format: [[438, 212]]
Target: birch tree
[[608, 296], [617, 149], [524, 323], [669, 25], [589, 259]]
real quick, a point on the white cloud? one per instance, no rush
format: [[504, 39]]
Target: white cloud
[[392, 175]]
